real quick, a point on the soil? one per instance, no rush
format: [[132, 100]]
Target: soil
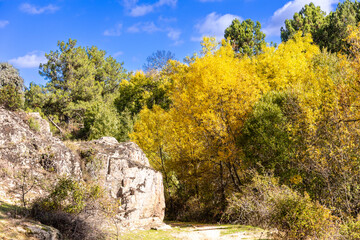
[[211, 232]]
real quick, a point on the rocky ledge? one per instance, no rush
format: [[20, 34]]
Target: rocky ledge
[[120, 168]]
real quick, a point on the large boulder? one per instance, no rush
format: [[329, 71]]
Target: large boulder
[[124, 170]]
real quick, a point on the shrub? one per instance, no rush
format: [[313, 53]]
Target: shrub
[[90, 164], [263, 202], [72, 207], [351, 229], [71, 226], [195, 210], [10, 97], [34, 124], [297, 217]]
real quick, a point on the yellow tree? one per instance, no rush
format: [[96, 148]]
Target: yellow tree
[[211, 98]]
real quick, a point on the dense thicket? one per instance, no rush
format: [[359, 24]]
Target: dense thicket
[[291, 113]]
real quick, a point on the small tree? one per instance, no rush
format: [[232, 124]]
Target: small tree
[[10, 98], [11, 87], [10, 76], [158, 60], [25, 182]]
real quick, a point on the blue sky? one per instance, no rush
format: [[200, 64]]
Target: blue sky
[[129, 30]]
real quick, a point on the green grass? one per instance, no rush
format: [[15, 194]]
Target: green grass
[[232, 229], [180, 227], [151, 234], [6, 208]]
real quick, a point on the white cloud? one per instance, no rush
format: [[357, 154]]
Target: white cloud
[[210, 0], [129, 3], [173, 34], [171, 3], [31, 9], [116, 31], [288, 10], [30, 60], [134, 28], [177, 42], [148, 27], [166, 20], [137, 10], [214, 25], [3, 23], [141, 10], [117, 54]]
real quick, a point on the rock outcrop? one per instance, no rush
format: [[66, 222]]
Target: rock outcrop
[[124, 170], [25, 140], [120, 168]]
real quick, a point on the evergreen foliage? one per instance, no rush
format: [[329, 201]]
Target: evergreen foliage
[[82, 83], [330, 31], [246, 37]]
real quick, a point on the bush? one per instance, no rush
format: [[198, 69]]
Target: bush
[[351, 229], [71, 226], [34, 124], [74, 208], [297, 217], [263, 202], [195, 209], [10, 97]]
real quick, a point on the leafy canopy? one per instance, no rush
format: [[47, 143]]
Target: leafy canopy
[[81, 81], [246, 37]]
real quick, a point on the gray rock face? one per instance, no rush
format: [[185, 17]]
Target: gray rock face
[[121, 168], [36, 148], [125, 171], [41, 232]]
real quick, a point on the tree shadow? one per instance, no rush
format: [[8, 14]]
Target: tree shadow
[[11, 211]]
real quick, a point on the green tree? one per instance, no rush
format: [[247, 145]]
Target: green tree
[[335, 30], [143, 90], [246, 37], [266, 141], [11, 87], [10, 97], [102, 119], [310, 19], [329, 32], [10, 76], [79, 79]]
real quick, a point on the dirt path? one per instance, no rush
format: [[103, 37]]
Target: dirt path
[[217, 233]]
